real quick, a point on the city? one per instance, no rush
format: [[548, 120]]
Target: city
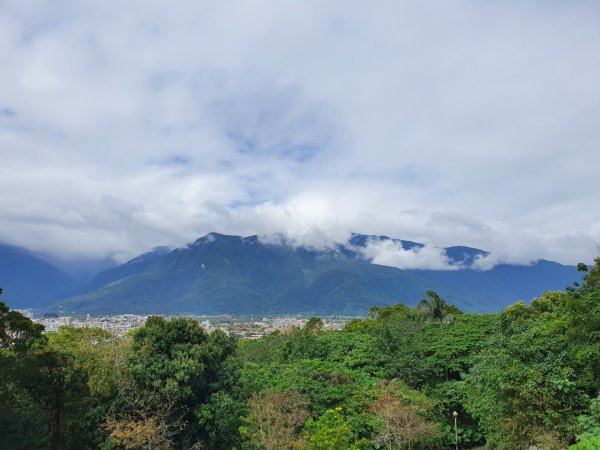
[[241, 327]]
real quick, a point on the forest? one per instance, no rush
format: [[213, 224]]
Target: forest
[[422, 377]]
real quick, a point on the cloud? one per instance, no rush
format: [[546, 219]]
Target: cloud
[[390, 253], [124, 127]]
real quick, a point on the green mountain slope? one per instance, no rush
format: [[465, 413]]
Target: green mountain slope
[[231, 275], [30, 282]]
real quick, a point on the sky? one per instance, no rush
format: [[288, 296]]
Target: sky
[[129, 125]]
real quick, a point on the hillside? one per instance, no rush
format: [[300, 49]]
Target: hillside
[[507, 282], [221, 274], [30, 282]]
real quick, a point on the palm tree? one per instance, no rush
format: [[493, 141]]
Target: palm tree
[[436, 308]]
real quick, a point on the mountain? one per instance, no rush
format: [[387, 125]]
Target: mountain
[[81, 269], [132, 267], [220, 274], [503, 284], [506, 281], [30, 282]]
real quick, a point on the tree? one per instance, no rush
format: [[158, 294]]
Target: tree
[[437, 309], [100, 354], [402, 421], [150, 429], [329, 432], [23, 420], [220, 419], [314, 325], [17, 333], [539, 371], [172, 371], [592, 276], [42, 384], [275, 420]]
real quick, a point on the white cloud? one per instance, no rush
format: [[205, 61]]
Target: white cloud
[[148, 124], [390, 253]]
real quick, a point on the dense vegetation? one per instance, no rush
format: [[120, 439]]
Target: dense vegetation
[[527, 376]]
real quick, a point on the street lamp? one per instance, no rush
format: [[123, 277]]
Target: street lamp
[[455, 415]]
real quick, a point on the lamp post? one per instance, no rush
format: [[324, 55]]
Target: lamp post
[[455, 415]]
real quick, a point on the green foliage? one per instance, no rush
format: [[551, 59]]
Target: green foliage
[[589, 424], [587, 443], [269, 349], [171, 378], [23, 422], [437, 309], [45, 397], [220, 419], [592, 277], [98, 353], [329, 432], [539, 371], [325, 384], [168, 385], [343, 369], [17, 333]]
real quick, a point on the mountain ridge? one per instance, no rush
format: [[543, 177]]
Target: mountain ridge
[[225, 274], [29, 281]]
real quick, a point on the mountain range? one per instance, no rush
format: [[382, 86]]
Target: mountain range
[[30, 282], [221, 274]]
